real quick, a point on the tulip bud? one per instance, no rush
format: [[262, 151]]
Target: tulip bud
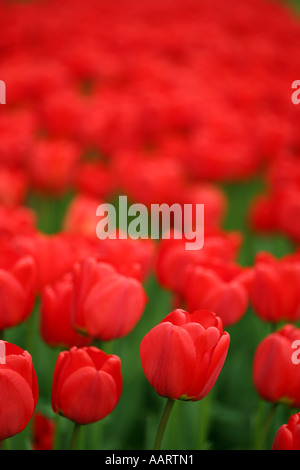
[[107, 305], [56, 308], [43, 432], [276, 377], [183, 355], [87, 384], [228, 299], [275, 292], [17, 292], [19, 389], [288, 435]]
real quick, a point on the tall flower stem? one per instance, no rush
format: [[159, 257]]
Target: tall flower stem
[[264, 433], [163, 423], [75, 435]]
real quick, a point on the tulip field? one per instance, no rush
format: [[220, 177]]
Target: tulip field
[[119, 331]]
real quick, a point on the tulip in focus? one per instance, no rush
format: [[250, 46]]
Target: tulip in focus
[[19, 390], [183, 355], [87, 384]]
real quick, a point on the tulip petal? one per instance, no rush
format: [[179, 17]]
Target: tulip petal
[[168, 358], [88, 395]]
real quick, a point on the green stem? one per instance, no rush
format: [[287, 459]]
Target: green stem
[[2, 335], [163, 423], [205, 406], [75, 435], [266, 427]]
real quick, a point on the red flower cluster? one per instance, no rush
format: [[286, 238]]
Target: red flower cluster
[[182, 105], [159, 101]]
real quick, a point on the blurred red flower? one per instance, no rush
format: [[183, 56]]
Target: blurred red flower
[[107, 305], [275, 291], [43, 432], [276, 378], [55, 319]]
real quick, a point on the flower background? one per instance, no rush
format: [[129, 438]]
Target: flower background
[[157, 101]]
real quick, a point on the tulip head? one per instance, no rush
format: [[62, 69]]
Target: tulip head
[[87, 384], [276, 377], [183, 355], [275, 291], [19, 389], [17, 292], [56, 309], [288, 435], [107, 305]]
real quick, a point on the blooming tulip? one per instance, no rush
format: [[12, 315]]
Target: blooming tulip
[[276, 377], [19, 389], [87, 384], [288, 435], [183, 355]]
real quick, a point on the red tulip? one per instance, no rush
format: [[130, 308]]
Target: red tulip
[[288, 435], [43, 432], [17, 220], [56, 308], [13, 186], [81, 216], [87, 384], [174, 261], [275, 292], [276, 377], [62, 248], [19, 389], [95, 180], [17, 292], [133, 258], [107, 305], [52, 165], [227, 298], [183, 355]]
